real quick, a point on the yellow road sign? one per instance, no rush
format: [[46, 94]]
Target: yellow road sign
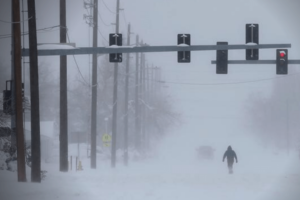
[[106, 138]]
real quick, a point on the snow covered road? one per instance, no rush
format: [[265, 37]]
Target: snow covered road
[[161, 179]]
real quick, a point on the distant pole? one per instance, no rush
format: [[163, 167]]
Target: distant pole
[[143, 97], [287, 127], [94, 90], [137, 124], [126, 102], [18, 91], [141, 136], [147, 97], [115, 100], [63, 93]]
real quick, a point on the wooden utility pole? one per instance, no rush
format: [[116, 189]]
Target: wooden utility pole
[[63, 134], [141, 137], [34, 96], [147, 97], [18, 91], [126, 101], [115, 100], [94, 89], [137, 119]]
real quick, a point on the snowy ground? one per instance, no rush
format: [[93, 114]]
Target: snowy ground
[[164, 177]]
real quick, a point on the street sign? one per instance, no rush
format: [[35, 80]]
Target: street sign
[[252, 36], [106, 138], [184, 56], [115, 40]]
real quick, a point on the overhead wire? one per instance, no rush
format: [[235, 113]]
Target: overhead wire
[[77, 66], [9, 22], [102, 20], [108, 7], [229, 83], [26, 33]]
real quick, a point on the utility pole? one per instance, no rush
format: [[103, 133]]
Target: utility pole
[[115, 100], [144, 101], [18, 90], [12, 85], [63, 93], [137, 120], [141, 136], [126, 101], [34, 96], [94, 89], [147, 97], [287, 127]]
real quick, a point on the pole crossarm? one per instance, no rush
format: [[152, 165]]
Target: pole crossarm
[[143, 49], [253, 62]]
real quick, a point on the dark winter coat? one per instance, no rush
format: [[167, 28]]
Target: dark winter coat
[[230, 154]]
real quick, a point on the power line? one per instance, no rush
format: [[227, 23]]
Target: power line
[[228, 83], [124, 17], [8, 22], [108, 7], [79, 69], [102, 36], [26, 33], [102, 19]]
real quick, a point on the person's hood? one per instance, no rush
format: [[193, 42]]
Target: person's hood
[[229, 148]]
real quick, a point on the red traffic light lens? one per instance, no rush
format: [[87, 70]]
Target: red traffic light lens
[[282, 54]]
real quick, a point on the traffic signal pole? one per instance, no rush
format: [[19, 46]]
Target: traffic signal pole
[[145, 49]]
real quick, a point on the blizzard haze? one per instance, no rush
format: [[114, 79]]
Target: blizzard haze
[[250, 108]]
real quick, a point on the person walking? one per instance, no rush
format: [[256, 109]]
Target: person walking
[[230, 155]]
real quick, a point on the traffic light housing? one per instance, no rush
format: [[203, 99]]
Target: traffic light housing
[[252, 36], [282, 61], [184, 56], [115, 39], [7, 101], [222, 60]]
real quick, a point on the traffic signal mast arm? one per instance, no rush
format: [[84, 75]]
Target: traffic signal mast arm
[[134, 49], [253, 62]]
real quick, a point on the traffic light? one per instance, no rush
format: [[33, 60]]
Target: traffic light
[[222, 59], [7, 109], [116, 40], [282, 61], [252, 36], [184, 56], [7, 101], [22, 90]]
